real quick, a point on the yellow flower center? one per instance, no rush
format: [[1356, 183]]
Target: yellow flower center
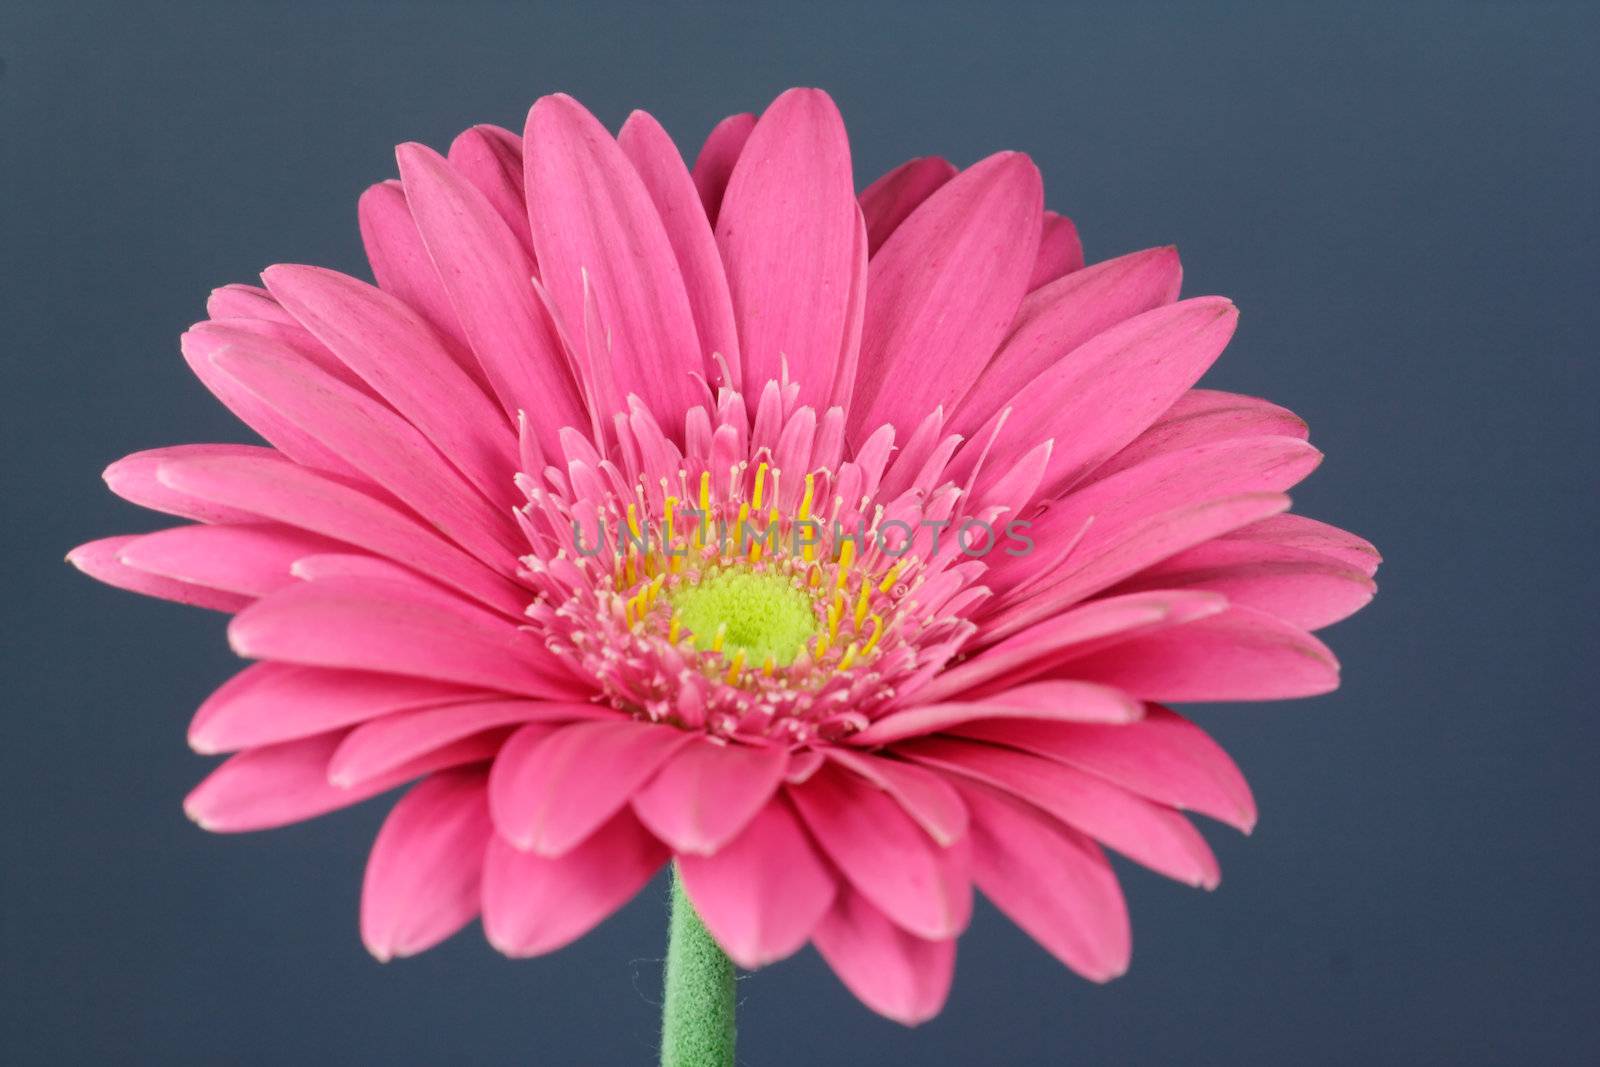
[[733, 610]]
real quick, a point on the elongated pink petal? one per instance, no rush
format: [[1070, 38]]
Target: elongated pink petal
[[491, 159], [672, 191], [381, 743], [1051, 881], [263, 485], [1145, 832], [1297, 531], [1055, 320], [706, 793], [714, 165], [250, 560], [396, 353], [762, 893], [534, 904], [339, 623], [1163, 756], [275, 785], [134, 479], [487, 275], [245, 302], [896, 974], [944, 290], [596, 230], [270, 702], [1242, 654], [102, 561], [931, 801], [924, 888], [1053, 701], [1060, 251], [548, 797], [425, 873], [887, 202], [787, 231], [1199, 417], [403, 269]]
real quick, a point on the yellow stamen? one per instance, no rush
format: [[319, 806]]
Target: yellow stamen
[[735, 667], [720, 636], [862, 604], [848, 658], [877, 632], [761, 477], [675, 629], [888, 579], [847, 556]]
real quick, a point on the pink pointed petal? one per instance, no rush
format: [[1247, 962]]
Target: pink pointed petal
[[534, 904], [251, 560], [672, 191], [887, 202], [1163, 757], [706, 793], [424, 876], [1055, 320], [1306, 588], [595, 229], [487, 276], [403, 269], [133, 478], [1241, 654], [491, 159], [1145, 832], [787, 231], [102, 561], [275, 785], [1060, 251], [1203, 416], [547, 798], [896, 974], [943, 292], [270, 702], [356, 626], [1052, 701], [922, 887], [930, 800], [763, 893], [1051, 881], [245, 302], [263, 485], [398, 354], [372, 439], [714, 165], [381, 743], [1299, 532]]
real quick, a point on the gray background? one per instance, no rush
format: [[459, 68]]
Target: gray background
[[1401, 200]]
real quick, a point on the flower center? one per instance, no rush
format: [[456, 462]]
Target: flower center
[[764, 615]]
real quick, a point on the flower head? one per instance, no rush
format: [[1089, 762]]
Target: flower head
[[843, 548]]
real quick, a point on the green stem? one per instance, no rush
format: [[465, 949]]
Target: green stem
[[697, 1013]]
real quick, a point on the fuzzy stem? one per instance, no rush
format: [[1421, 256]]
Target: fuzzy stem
[[697, 1013]]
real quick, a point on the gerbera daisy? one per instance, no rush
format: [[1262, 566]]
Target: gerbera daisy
[[844, 550]]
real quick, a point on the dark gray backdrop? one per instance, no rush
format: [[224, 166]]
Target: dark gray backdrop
[[1402, 202]]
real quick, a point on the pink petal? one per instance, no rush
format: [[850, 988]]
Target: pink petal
[[1203, 416], [1297, 531], [487, 274], [245, 302], [263, 485], [1055, 320], [403, 269], [491, 159], [763, 893], [424, 877], [896, 974], [1060, 252], [101, 560], [931, 801], [383, 742], [133, 478], [943, 291], [707, 792], [548, 797], [1051, 881], [396, 352], [595, 229], [534, 904], [1053, 701], [787, 231], [270, 702], [1145, 832], [1163, 756], [250, 560], [358, 626], [888, 201], [274, 785], [714, 166], [1241, 654], [922, 887], [672, 191]]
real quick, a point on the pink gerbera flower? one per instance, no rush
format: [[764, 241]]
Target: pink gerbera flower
[[844, 550]]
